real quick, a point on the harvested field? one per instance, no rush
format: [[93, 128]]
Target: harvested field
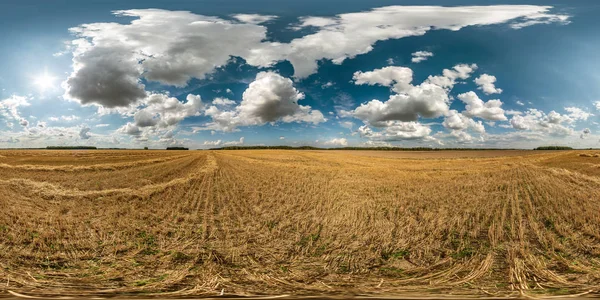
[[182, 223]]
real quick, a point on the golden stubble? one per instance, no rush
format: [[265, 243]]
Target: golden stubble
[[180, 223]]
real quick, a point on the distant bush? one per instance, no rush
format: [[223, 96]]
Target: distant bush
[[145, 148], [71, 148], [553, 148], [177, 148]]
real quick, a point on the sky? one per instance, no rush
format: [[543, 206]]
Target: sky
[[329, 73]]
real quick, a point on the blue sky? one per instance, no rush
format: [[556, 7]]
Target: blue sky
[[323, 73]]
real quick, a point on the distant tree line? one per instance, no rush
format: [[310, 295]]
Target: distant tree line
[[553, 148], [350, 148], [177, 148], [71, 148]]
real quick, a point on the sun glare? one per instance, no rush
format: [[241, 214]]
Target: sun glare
[[45, 81]]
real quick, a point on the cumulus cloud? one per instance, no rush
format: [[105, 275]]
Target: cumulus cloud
[[536, 120], [397, 131], [347, 35], [9, 109], [171, 47], [144, 118], [375, 144], [585, 133], [24, 122], [212, 143], [429, 99], [235, 143], [420, 56], [578, 113], [475, 107], [457, 122], [254, 18], [486, 83], [164, 111], [130, 129], [269, 98], [337, 142], [597, 105], [104, 75], [461, 136], [223, 102], [84, 133]]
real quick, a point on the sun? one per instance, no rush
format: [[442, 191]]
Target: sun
[[45, 81]]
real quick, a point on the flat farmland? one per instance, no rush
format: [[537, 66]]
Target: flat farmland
[[256, 222]]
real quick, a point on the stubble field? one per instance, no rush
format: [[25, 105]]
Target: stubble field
[[205, 223]]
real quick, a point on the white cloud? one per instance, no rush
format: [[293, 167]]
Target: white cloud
[[102, 125], [486, 83], [212, 143], [163, 111], [347, 35], [420, 56], [327, 85], [597, 105], [70, 118], [457, 121], [144, 118], [541, 18], [282, 137], [9, 108], [585, 133], [223, 102], [337, 142], [475, 107], [347, 124], [461, 136], [24, 122], [130, 129], [235, 143], [269, 98], [397, 131], [171, 47], [578, 113], [254, 18], [535, 120], [375, 144], [430, 99], [84, 133]]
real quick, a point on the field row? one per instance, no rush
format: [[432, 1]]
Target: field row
[[246, 222]]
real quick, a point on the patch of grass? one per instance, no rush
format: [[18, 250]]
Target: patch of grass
[[399, 254]]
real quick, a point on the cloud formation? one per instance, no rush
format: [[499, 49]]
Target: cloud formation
[[270, 98], [475, 107], [171, 47], [9, 109], [420, 56], [397, 131], [429, 99], [339, 142], [486, 83], [535, 120]]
